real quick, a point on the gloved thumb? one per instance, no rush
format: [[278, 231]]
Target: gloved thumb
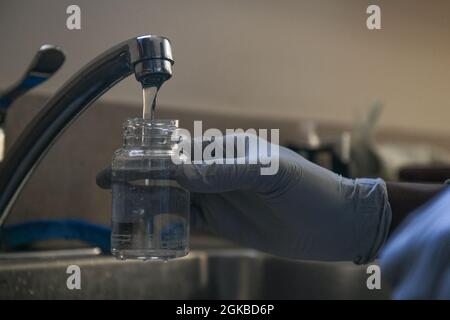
[[242, 169]]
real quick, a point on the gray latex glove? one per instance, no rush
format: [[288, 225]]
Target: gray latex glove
[[304, 211]]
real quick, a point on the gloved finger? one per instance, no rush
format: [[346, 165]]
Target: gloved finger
[[216, 178], [240, 165], [103, 178], [200, 178]]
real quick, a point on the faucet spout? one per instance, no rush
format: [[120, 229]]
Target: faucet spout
[[148, 57]]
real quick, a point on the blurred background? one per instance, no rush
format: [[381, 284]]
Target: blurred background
[[300, 66], [360, 102], [310, 68]]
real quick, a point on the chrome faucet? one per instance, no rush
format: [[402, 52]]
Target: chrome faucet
[[148, 57]]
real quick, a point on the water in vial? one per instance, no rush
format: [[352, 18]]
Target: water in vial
[[149, 218]]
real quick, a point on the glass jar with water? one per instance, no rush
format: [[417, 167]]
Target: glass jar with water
[[150, 210]]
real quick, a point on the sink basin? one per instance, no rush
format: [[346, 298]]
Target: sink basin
[[207, 274]]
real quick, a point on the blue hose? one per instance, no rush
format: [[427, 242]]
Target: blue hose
[[70, 229]]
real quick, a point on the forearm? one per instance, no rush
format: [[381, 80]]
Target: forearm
[[404, 197]]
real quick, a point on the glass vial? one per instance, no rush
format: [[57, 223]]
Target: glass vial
[[150, 210]]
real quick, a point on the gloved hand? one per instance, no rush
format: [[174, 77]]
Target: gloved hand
[[303, 211], [416, 259]]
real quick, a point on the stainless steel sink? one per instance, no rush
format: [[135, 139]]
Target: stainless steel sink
[[209, 274]]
